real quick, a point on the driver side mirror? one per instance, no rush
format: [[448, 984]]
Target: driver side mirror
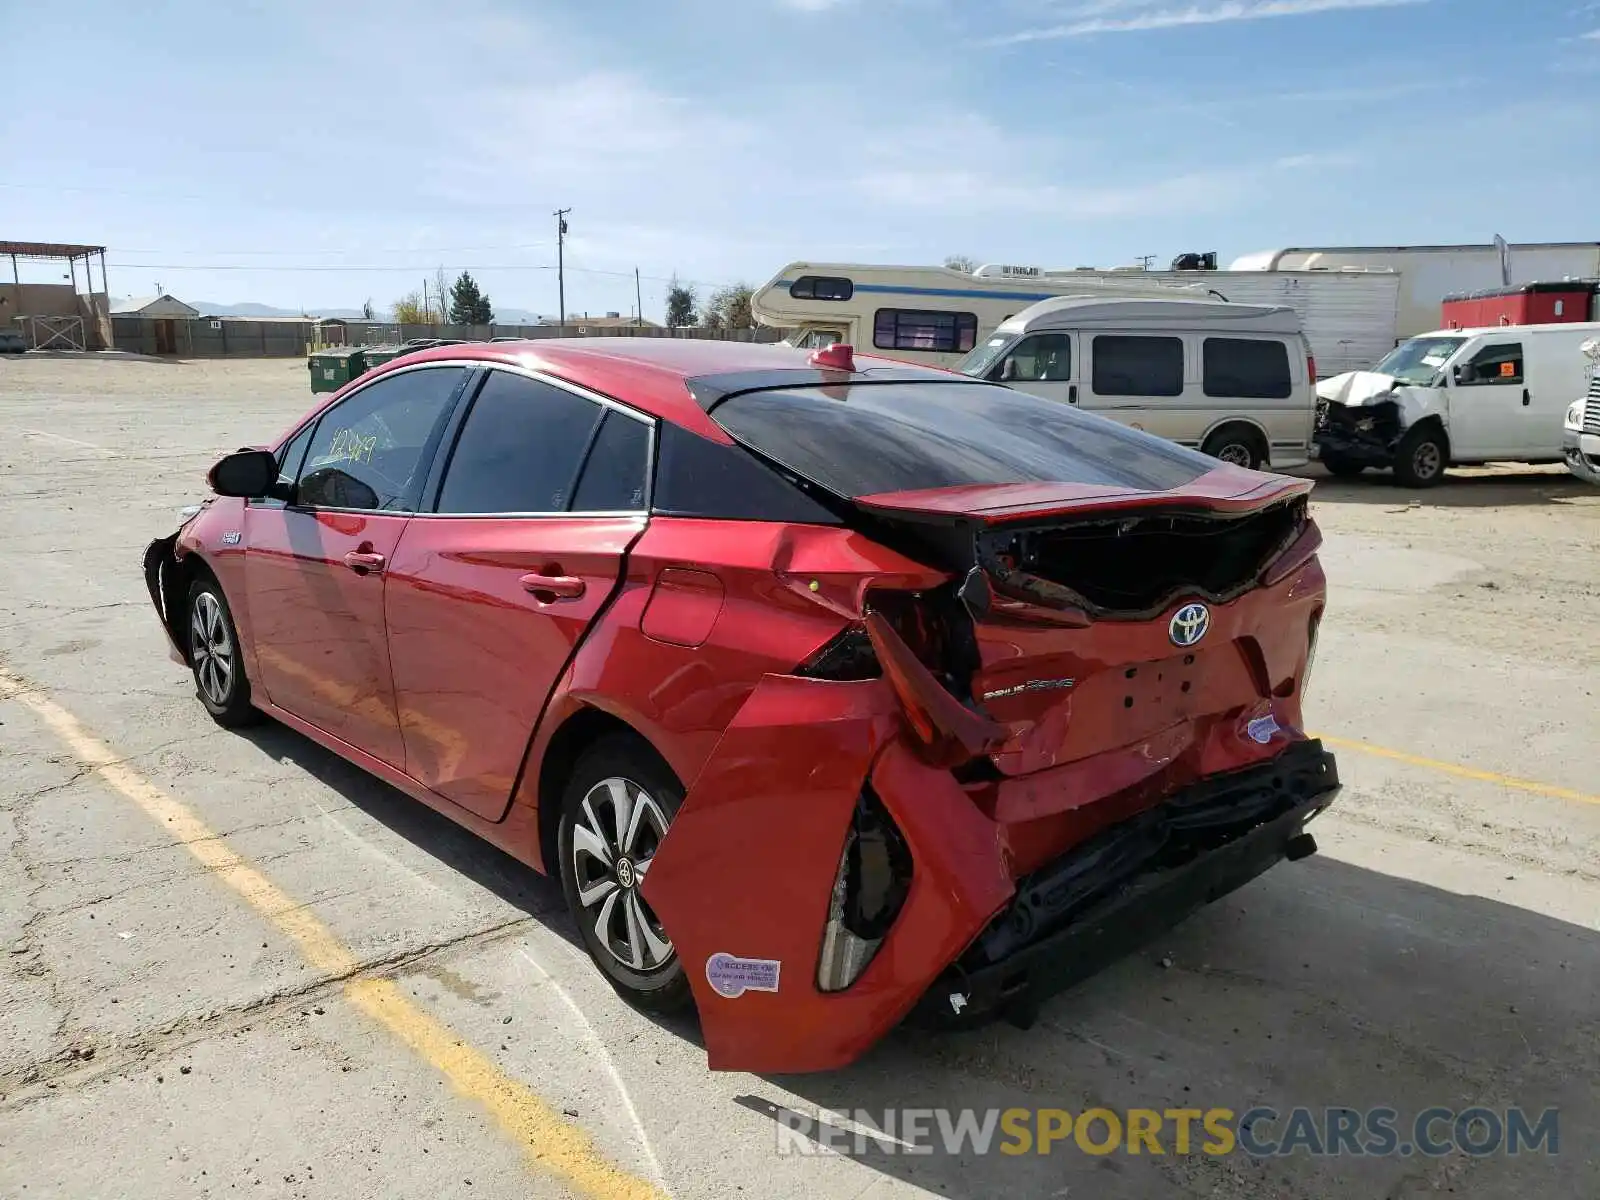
[[247, 473]]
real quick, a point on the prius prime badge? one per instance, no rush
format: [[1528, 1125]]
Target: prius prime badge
[[1189, 624]]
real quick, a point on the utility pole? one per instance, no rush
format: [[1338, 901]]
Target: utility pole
[[561, 267], [638, 298], [1145, 260], [427, 315]]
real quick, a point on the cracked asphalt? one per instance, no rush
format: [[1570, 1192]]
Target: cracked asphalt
[[167, 1033]]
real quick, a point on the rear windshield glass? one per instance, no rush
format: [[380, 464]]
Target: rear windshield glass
[[867, 438]]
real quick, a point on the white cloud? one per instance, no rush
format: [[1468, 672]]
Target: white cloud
[[1136, 16], [811, 5], [1592, 36]]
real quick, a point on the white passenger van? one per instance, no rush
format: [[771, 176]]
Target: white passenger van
[[1455, 397], [1232, 380]]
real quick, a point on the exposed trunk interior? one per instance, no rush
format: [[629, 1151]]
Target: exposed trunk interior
[[1134, 565]]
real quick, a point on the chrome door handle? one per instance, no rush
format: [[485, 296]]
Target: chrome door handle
[[363, 561], [549, 588]]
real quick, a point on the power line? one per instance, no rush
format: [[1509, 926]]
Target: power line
[[362, 250], [325, 267]]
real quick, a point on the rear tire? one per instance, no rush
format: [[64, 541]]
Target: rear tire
[[615, 810], [1344, 468], [215, 657], [1237, 445], [1421, 458]]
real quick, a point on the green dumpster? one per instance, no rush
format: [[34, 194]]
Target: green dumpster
[[336, 366], [378, 355]]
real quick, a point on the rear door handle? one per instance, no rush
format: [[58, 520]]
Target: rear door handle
[[1072, 393], [549, 588], [1525, 398], [363, 561]]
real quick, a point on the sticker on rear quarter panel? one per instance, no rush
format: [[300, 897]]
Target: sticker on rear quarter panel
[[732, 977], [1262, 728]]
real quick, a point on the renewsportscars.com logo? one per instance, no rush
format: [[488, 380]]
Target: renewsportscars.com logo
[[1260, 1132]]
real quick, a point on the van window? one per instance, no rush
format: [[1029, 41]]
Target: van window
[[821, 287], [916, 329], [1500, 362], [1137, 366], [1247, 368], [1041, 358]]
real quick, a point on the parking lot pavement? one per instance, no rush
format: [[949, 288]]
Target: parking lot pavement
[[232, 963]]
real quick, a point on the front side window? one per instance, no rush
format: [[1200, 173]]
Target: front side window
[[1497, 363], [1138, 366], [821, 287], [292, 455], [1042, 358], [979, 362], [916, 329], [519, 449], [371, 450], [1247, 368]]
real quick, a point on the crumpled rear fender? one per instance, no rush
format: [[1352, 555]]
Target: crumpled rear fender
[[748, 866]]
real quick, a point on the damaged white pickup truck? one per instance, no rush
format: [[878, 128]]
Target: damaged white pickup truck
[[1453, 398]]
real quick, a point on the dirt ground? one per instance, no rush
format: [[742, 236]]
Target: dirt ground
[[232, 964]]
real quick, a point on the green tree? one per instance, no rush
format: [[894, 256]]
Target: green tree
[[469, 306], [729, 308], [681, 301]]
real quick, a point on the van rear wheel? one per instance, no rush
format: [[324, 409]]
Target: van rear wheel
[[1237, 445]]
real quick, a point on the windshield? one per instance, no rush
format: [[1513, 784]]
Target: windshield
[[981, 359], [1417, 362]]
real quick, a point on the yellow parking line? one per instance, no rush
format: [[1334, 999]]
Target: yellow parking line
[[1433, 764], [553, 1144]]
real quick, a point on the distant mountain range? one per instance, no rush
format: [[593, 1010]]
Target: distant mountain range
[[502, 316]]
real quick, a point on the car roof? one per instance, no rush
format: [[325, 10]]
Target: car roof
[[647, 373]]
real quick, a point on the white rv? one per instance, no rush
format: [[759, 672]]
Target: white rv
[[1455, 397], [933, 316], [1427, 274], [1232, 380]]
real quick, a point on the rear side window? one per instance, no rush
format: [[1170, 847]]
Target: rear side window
[[1250, 368], [696, 477], [519, 449], [1138, 366], [822, 287], [618, 465], [916, 329], [867, 438]]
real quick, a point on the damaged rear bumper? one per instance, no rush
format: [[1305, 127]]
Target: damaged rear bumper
[[1137, 880]]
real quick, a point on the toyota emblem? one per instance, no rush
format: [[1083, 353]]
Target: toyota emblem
[[1189, 624]]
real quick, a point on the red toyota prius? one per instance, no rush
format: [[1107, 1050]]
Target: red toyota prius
[[837, 692]]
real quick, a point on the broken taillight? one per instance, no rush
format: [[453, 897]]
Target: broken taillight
[[869, 891]]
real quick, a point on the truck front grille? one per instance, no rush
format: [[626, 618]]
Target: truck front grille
[[1591, 406]]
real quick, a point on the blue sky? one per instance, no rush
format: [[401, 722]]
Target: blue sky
[[274, 151]]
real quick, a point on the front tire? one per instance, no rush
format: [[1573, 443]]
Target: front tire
[[215, 658], [1421, 458], [615, 811]]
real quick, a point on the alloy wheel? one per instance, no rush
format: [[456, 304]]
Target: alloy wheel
[[1237, 454], [614, 841], [211, 649], [1425, 460]]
